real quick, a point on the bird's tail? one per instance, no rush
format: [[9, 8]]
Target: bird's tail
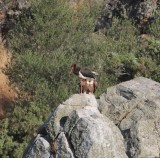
[[95, 73]]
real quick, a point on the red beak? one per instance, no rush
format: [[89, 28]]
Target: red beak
[[71, 70]]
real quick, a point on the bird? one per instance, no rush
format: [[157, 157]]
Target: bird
[[87, 78], [83, 73]]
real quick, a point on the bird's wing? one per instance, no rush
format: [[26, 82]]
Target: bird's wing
[[95, 73], [87, 73]]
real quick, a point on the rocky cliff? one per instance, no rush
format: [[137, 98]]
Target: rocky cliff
[[124, 122], [134, 106]]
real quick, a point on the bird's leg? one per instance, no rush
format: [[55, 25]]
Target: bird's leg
[[95, 85], [94, 88], [80, 86], [81, 89]]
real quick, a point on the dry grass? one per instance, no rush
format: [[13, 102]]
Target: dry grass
[[7, 95]]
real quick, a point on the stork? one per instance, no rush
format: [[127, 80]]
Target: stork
[[87, 78]]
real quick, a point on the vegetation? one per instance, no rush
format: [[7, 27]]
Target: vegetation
[[47, 38]]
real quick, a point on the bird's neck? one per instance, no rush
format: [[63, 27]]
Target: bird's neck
[[76, 70]]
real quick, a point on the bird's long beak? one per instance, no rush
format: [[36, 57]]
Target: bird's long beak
[[71, 70]]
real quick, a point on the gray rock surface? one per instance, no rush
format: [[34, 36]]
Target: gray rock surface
[[63, 147], [39, 147], [78, 130], [146, 137], [93, 136], [57, 119], [134, 106]]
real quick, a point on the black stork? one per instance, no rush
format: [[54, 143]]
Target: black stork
[[87, 78]]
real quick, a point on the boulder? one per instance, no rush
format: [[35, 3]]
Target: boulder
[[145, 141], [76, 128], [38, 147], [93, 136], [57, 119], [134, 106]]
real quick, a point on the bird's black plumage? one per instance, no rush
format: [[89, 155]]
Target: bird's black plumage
[[87, 73], [82, 72]]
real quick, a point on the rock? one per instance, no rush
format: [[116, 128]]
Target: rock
[[132, 106], [63, 146], [146, 138], [56, 121], [93, 136], [38, 147], [122, 101], [77, 129]]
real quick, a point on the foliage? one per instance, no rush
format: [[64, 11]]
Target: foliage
[[45, 41], [149, 55]]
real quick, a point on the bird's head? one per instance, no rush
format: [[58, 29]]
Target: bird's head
[[73, 66]]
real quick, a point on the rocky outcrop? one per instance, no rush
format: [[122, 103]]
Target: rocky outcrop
[[123, 122], [145, 139], [93, 135], [134, 106], [76, 129]]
